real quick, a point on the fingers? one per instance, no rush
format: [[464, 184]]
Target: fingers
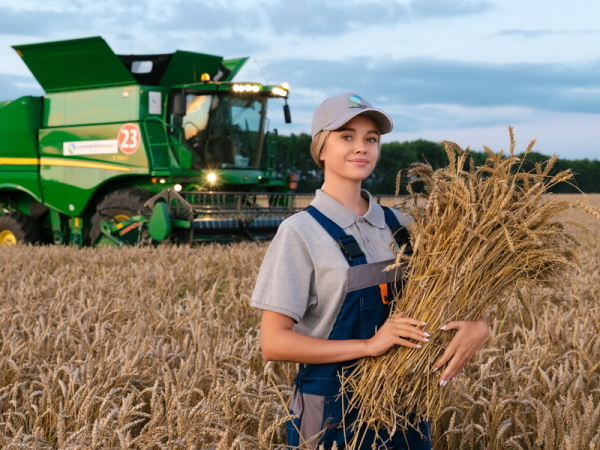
[[405, 343], [406, 327], [456, 361], [448, 353], [450, 350], [401, 318], [454, 367], [455, 325], [399, 330], [408, 331], [465, 343]]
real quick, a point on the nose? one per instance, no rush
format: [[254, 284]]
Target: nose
[[360, 148]]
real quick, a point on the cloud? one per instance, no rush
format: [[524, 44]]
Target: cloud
[[309, 18], [73, 19], [221, 27], [211, 18], [422, 81], [432, 99], [318, 17], [571, 136], [531, 34], [444, 8], [527, 34], [26, 22], [15, 86], [70, 20]]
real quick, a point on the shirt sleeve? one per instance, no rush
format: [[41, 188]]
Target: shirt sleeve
[[284, 281]]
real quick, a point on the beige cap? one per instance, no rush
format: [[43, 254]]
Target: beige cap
[[336, 111]]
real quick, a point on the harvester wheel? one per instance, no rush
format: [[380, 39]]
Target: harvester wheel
[[118, 206], [17, 227]]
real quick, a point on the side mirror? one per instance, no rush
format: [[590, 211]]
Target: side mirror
[[287, 114], [179, 105]]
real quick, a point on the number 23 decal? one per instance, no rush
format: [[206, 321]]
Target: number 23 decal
[[129, 138]]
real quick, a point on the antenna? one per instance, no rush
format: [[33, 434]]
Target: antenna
[[260, 70]]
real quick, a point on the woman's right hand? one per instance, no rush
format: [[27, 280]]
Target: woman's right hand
[[396, 331]]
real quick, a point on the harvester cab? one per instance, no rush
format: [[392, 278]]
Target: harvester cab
[[126, 148]]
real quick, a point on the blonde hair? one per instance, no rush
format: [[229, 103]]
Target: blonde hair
[[317, 145]]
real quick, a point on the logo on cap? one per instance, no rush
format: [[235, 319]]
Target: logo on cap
[[356, 102]]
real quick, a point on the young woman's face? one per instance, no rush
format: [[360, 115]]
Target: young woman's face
[[351, 151]]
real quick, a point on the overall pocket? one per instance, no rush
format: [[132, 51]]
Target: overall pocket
[[373, 312]]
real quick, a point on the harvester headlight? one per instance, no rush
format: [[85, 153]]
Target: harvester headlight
[[162, 181], [211, 177], [178, 187], [279, 91], [246, 88], [285, 85]]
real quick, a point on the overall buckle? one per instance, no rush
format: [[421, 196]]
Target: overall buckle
[[350, 247]]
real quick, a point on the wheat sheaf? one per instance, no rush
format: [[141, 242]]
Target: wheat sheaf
[[480, 234]]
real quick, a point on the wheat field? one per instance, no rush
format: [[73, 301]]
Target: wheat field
[[157, 348]]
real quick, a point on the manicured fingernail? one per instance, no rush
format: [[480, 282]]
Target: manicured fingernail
[[443, 383], [423, 323], [426, 333], [434, 369], [425, 340], [444, 327], [418, 346]]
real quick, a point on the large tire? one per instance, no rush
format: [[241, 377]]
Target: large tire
[[119, 205], [17, 228]]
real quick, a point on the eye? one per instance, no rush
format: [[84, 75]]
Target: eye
[[346, 137], [373, 140]]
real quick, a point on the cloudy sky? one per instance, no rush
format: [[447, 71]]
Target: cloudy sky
[[459, 70]]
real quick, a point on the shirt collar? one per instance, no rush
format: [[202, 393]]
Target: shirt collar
[[342, 216]]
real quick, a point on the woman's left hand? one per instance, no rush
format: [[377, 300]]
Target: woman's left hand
[[469, 337]]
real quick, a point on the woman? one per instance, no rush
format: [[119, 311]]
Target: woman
[[323, 290]]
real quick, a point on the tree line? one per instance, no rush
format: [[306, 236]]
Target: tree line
[[294, 151]]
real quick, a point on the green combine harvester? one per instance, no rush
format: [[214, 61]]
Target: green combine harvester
[[126, 149]]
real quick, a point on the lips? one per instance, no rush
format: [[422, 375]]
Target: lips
[[360, 161]]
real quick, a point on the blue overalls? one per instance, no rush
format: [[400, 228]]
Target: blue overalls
[[364, 309]]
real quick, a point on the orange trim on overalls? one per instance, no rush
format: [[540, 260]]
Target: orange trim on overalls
[[383, 289]]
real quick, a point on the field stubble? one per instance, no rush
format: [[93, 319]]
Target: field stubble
[[149, 348]]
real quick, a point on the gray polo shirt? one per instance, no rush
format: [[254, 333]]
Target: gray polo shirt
[[304, 274]]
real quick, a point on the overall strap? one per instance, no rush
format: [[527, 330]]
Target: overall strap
[[350, 248], [399, 232]]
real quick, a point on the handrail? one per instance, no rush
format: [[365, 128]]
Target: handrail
[[168, 142]]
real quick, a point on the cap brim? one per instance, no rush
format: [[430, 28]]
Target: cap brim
[[383, 121]]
